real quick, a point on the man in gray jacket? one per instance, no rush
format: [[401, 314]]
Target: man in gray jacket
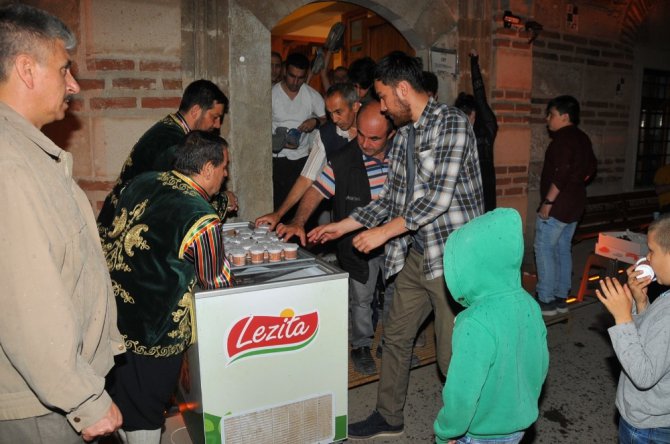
[[58, 329]]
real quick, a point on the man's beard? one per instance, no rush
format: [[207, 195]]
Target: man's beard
[[404, 114]]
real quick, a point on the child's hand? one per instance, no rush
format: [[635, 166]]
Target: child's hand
[[638, 288], [617, 299]]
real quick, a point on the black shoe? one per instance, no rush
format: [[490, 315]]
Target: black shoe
[[373, 426], [548, 309], [561, 306], [363, 362], [413, 363]]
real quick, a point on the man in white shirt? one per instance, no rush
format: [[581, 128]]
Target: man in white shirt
[[295, 105], [342, 105]]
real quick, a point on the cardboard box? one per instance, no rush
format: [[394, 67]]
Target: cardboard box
[[613, 245]]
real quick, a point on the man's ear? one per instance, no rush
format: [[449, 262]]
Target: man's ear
[[402, 89], [194, 112], [25, 67], [207, 170], [356, 106]]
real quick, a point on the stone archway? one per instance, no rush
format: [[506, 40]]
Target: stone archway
[[229, 42]]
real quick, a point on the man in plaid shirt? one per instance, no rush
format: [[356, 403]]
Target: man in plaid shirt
[[431, 190]]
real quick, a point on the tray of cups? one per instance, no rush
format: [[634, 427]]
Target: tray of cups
[[248, 246]]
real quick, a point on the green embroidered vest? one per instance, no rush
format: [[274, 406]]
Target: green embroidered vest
[[153, 282]]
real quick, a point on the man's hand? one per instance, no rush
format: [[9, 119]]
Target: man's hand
[[544, 210], [106, 425], [325, 233], [638, 288], [617, 299], [286, 232], [270, 219], [232, 202], [370, 239], [308, 125]]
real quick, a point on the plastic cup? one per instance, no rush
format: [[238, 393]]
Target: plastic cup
[[290, 251]]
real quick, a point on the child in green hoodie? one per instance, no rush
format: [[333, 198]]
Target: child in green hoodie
[[500, 355]]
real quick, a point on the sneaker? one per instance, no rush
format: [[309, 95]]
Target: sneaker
[[561, 305], [413, 363], [548, 309], [363, 362], [373, 426]]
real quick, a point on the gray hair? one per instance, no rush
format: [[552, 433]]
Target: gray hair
[[28, 30], [346, 90]]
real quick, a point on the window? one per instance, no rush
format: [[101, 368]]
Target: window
[[653, 144]]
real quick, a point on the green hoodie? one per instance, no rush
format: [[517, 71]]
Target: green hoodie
[[500, 355]]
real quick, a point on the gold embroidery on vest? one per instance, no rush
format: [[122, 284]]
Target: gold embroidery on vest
[[158, 351], [119, 291], [183, 318], [176, 183], [126, 235]]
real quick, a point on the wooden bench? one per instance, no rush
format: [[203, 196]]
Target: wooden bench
[[614, 212]]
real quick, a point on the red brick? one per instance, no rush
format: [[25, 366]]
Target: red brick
[[520, 180], [76, 105], [521, 45], [172, 84], [95, 185], [161, 102], [514, 94], [499, 192], [503, 181], [501, 43], [560, 46], [517, 169], [600, 43], [588, 51], [522, 108], [502, 107], [113, 102], [515, 119], [592, 62], [110, 65], [546, 56], [513, 191], [91, 84], [506, 31], [497, 93], [574, 39], [148, 65], [501, 170], [128, 83]]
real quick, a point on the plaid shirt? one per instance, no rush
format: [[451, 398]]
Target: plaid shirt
[[447, 188]]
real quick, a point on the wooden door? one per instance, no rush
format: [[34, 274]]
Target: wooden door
[[369, 35]]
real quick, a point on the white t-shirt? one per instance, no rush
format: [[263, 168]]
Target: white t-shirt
[[292, 113]]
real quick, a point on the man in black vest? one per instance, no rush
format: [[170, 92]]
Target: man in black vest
[[342, 105], [353, 177]]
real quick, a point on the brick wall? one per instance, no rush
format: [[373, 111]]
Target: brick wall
[[599, 74]]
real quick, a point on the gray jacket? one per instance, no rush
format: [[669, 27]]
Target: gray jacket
[[643, 349]]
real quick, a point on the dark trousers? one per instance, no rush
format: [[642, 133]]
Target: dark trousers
[[141, 386], [284, 174]]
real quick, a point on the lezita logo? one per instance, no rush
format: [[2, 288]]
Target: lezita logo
[[257, 335]]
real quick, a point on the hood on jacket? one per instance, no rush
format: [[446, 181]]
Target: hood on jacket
[[483, 257]]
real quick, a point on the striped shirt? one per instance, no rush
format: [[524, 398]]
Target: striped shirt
[[204, 248], [376, 170], [316, 161], [447, 190]]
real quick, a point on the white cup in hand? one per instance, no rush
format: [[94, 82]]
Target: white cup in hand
[[643, 266]]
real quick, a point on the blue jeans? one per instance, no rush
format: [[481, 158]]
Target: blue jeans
[[514, 438], [629, 434], [553, 257]]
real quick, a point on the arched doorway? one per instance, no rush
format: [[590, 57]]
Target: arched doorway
[[232, 47]]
